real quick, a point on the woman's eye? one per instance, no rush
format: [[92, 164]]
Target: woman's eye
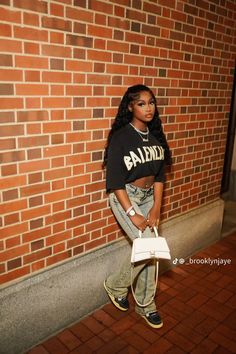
[[142, 104]]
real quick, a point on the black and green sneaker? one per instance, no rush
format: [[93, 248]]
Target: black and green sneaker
[[153, 319], [121, 303]]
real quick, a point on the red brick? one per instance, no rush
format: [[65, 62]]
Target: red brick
[[188, 333], [6, 89], [215, 310], [175, 350], [7, 144], [179, 341], [162, 344], [69, 339], [94, 325], [14, 252], [14, 230], [58, 238], [206, 326], [53, 346], [31, 89], [112, 347], [134, 340], [31, 47], [12, 130], [101, 7], [31, 19], [16, 273], [10, 46], [36, 223], [223, 296], [13, 206], [30, 34], [39, 6], [207, 346], [31, 62], [95, 243], [25, 116], [198, 300], [58, 258], [9, 15], [232, 301], [81, 331], [226, 331], [11, 219], [103, 317], [12, 242], [35, 189], [94, 343], [10, 195], [99, 31], [55, 196], [35, 256], [56, 9], [107, 335], [38, 350], [35, 213], [223, 341], [36, 234]]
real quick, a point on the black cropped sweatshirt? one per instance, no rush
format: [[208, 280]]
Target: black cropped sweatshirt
[[129, 158]]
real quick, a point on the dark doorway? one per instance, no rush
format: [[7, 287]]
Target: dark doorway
[[230, 141]]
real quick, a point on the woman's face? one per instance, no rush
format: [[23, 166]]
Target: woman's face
[[143, 109]]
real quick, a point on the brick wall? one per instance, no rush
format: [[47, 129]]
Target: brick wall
[[64, 65]]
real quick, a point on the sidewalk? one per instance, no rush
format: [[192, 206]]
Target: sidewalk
[[197, 303]]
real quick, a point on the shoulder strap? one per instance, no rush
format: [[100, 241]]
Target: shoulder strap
[[156, 281], [132, 288]]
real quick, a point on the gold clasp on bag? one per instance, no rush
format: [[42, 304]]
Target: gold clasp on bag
[[152, 254]]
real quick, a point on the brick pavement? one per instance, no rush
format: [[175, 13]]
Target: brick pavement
[[197, 303]]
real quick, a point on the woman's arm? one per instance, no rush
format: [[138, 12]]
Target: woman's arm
[[154, 213], [138, 220]]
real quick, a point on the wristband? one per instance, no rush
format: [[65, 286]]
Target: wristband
[[128, 210]]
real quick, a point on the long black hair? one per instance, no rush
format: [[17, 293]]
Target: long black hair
[[124, 117]]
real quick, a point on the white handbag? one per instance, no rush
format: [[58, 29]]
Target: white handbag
[[144, 249], [147, 248]]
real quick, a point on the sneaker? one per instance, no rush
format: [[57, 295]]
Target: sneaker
[[153, 319], [121, 303]]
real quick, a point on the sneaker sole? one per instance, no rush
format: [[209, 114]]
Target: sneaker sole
[[152, 324], [112, 298]]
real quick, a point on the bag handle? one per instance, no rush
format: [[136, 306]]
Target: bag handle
[[156, 280], [155, 231]]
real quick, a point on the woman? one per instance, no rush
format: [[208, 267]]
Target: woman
[[135, 158]]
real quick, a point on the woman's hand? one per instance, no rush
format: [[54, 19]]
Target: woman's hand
[[153, 217], [139, 221]]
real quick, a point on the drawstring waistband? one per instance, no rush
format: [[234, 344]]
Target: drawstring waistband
[[144, 191]]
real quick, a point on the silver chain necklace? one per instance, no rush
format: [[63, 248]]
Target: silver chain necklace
[[143, 135]]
